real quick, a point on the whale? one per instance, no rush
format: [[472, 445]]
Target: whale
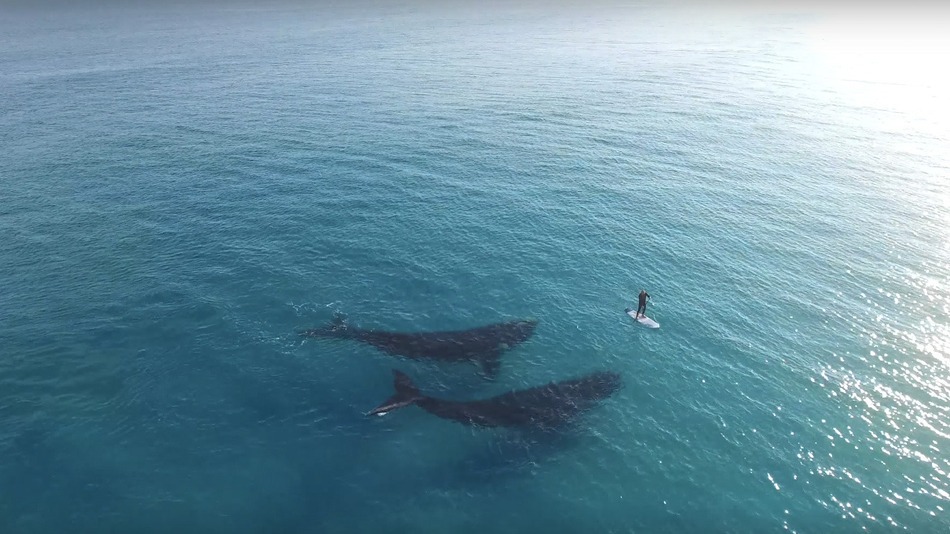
[[482, 346], [546, 407]]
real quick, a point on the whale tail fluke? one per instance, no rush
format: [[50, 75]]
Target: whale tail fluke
[[406, 393]]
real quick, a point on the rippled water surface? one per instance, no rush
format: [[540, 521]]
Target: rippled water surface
[[182, 190]]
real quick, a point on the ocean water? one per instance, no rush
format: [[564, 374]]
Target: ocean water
[[184, 188]]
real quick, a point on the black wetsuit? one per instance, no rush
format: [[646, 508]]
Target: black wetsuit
[[642, 306]]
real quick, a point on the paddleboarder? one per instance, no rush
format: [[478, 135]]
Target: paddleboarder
[[642, 305]]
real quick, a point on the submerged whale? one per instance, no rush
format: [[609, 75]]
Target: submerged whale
[[544, 407], [482, 345]]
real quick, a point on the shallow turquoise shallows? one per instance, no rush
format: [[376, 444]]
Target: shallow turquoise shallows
[[185, 189]]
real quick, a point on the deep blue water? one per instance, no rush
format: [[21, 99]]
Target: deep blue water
[[183, 189]]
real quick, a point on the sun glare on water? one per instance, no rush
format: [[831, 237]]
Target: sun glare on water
[[890, 70], [895, 64], [891, 61]]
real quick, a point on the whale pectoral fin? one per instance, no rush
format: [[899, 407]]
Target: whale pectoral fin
[[491, 364]]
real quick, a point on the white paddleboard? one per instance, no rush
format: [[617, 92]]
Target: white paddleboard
[[644, 320]]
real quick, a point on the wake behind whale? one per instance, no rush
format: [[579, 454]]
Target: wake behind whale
[[544, 407], [482, 345]]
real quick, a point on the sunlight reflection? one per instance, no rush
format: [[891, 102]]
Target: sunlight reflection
[[892, 61]]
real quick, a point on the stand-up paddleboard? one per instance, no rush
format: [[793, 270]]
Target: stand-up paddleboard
[[644, 320]]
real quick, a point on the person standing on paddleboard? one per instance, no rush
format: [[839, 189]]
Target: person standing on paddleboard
[[642, 306]]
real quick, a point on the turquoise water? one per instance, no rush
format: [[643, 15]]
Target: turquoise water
[[184, 189]]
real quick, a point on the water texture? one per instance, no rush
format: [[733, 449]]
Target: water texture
[[183, 189]]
